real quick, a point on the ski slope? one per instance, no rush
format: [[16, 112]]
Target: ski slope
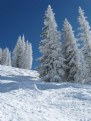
[[23, 97]]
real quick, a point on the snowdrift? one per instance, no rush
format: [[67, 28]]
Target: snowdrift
[[23, 97]]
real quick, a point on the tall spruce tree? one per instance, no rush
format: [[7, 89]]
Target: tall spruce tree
[[71, 53], [85, 37], [28, 56], [22, 54], [6, 57], [18, 53], [52, 60]]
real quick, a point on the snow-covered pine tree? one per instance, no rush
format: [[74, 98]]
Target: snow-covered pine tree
[[15, 57], [71, 53], [83, 70], [6, 57], [22, 54], [0, 56], [18, 53], [85, 36], [52, 61], [28, 56]]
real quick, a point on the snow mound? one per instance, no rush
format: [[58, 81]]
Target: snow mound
[[23, 97]]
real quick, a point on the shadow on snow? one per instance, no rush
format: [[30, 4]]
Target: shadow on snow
[[9, 83]]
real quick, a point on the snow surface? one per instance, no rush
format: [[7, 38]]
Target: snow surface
[[23, 97]]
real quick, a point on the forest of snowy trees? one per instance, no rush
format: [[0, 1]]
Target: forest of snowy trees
[[62, 59], [21, 57]]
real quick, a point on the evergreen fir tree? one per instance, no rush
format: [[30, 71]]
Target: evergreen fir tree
[[22, 54], [6, 57], [52, 61], [17, 59], [71, 53], [85, 37], [28, 56]]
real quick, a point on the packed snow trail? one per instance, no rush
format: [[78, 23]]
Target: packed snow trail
[[24, 98]]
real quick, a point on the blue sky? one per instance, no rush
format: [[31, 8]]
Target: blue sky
[[18, 17]]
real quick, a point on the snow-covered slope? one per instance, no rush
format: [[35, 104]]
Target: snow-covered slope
[[24, 98]]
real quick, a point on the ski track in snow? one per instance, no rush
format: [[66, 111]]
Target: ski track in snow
[[24, 98]]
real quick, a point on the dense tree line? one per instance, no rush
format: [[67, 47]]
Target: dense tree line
[[21, 55], [61, 58], [5, 57]]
